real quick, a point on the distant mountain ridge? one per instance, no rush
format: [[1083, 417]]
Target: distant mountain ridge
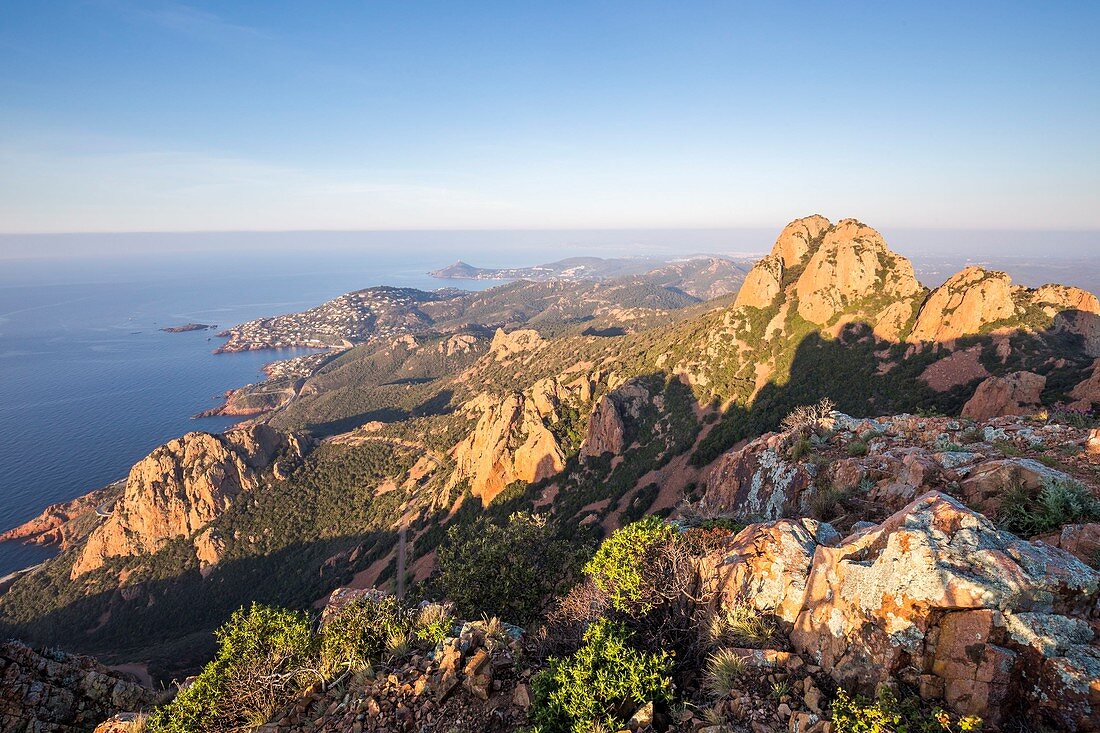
[[578, 268]]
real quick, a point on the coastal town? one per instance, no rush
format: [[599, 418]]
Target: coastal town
[[342, 322]]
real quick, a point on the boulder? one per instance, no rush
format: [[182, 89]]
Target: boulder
[[1086, 393], [766, 565], [1080, 540], [989, 481], [1019, 393], [967, 302], [936, 596], [758, 480]]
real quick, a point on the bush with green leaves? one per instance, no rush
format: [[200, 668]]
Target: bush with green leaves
[[619, 565], [601, 684], [361, 631], [264, 658], [1056, 504], [509, 570], [887, 714]]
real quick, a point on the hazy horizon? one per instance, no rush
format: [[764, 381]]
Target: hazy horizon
[[605, 242]]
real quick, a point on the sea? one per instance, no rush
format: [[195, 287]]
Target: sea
[[89, 383]]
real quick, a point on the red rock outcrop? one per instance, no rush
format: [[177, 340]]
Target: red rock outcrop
[[853, 268], [180, 487], [793, 245], [983, 487], [976, 300], [1087, 392], [59, 524], [1080, 540], [762, 285], [606, 432], [521, 341], [968, 301], [1019, 393], [510, 442], [764, 282], [937, 596], [767, 565], [757, 480]]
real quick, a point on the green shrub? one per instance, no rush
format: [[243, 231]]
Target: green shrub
[[971, 435], [260, 665], [600, 684], [361, 631], [886, 714], [508, 571], [617, 567], [433, 624], [640, 504], [800, 449], [745, 625], [857, 448], [828, 502], [1057, 504]]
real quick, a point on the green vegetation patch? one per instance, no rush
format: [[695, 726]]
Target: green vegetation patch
[[604, 678]]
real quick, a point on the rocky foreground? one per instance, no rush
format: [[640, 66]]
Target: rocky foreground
[[48, 690]]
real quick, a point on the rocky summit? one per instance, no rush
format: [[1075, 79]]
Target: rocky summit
[[608, 503]]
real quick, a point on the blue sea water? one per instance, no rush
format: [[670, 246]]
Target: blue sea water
[[89, 384]]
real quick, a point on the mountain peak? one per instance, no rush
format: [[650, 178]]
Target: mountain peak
[[794, 243], [838, 268]]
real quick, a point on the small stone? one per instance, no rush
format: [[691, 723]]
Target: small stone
[[521, 697], [642, 717], [477, 662], [813, 697]]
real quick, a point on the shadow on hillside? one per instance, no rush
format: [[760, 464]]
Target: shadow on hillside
[[866, 376], [437, 404], [347, 424], [169, 621]]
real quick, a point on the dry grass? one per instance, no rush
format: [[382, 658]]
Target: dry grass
[[743, 624], [724, 670]]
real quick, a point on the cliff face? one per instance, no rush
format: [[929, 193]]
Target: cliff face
[[976, 300], [53, 691], [509, 443], [798, 238], [853, 269], [180, 487]]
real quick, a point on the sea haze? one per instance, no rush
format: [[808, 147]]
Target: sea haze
[[89, 384]]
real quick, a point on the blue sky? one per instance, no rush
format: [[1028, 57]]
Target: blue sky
[[164, 116]]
